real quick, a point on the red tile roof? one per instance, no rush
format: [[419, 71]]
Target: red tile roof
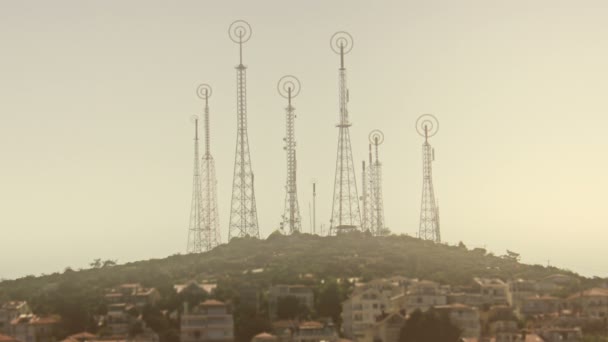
[[265, 336], [4, 338], [311, 325], [594, 292], [46, 320], [212, 302], [83, 334]]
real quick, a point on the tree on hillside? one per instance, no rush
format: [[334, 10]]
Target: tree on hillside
[[429, 326], [329, 301], [291, 308], [248, 323]]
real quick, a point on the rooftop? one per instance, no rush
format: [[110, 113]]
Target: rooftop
[[13, 305], [212, 302], [311, 325], [265, 336], [594, 292], [5, 338]]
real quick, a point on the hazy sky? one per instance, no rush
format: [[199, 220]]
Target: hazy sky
[[96, 142]]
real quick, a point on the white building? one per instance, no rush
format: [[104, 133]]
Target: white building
[[386, 329], [360, 311], [210, 321], [424, 295], [32, 328], [494, 291], [9, 311]]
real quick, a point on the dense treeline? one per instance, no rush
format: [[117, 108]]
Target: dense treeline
[[78, 295]]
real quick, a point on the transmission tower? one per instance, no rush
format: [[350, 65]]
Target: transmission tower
[[243, 213], [346, 215], [211, 223], [289, 88], [195, 230], [427, 126], [364, 197], [367, 181], [376, 138]]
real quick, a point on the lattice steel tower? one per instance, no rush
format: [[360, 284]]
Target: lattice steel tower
[[346, 215], [377, 224], [195, 230], [367, 183], [289, 88], [427, 126], [243, 213], [211, 223]]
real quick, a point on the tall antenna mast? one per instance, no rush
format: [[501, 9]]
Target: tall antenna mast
[[314, 207], [243, 213], [195, 230], [365, 197], [367, 220], [376, 138], [289, 88], [210, 217], [346, 216], [427, 126]]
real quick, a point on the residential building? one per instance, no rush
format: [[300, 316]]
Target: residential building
[[284, 329], [466, 298], [553, 283], [303, 294], [360, 311], [493, 291], [518, 337], [315, 332], [504, 331], [465, 317], [592, 303], [386, 329], [193, 288], [540, 305], [562, 335], [397, 303], [120, 319], [132, 294], [521, 289], [33, 328], [423, 295], [210, 321], [6, 338], [387, 287], [81, 337], [9, 311]]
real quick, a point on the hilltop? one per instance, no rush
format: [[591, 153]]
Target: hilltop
[[78, 295]]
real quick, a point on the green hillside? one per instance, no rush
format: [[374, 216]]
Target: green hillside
[[78, 295]]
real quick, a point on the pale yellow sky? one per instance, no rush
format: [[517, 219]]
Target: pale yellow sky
[[96, 141]]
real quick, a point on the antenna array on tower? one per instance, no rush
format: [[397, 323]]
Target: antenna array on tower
[[427, 126], [243, 212], [346, 215], [195, 230], [211, 222], [376, 217], [289, 88]]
